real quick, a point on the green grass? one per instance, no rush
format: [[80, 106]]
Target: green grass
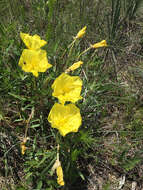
[[111, 133]]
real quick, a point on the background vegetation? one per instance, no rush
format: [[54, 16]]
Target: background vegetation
[[107, 152]]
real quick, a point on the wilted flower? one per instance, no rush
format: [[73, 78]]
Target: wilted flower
[[103, 43], [32, 42], [34, 61], [66, 118], [81, 33], [23, 148], [60, 179], [67, 88], [57, 166], [74, 66]]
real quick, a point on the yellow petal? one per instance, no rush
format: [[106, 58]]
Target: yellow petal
[[74, 66], [60, 179], [65, 118], [103, 43], [67, 88], [81, 33], [34, 61], [32, 42]]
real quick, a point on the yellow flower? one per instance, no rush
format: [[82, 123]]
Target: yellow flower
[[60, 179], [81, 33], [65, 118], [74, 66], [103, 43], [67, 88], [32, 42], [34, 61]]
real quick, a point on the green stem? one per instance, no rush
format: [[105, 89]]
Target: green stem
[[71, 47], [84, 52]]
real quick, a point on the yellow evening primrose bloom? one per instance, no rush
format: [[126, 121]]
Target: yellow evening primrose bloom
[[32, 42], [34, 61], [74, 66], [60, 179], [67, 88], [103, 43], [65, 118], [81, 33]]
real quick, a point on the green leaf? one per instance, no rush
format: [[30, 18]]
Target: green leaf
[[74, 155], [39, 185], [17, 96], [81, 175], [131, 164], [28, 175]]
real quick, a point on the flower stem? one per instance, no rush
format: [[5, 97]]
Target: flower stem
[[71, 47], [27, 125], [84, 52]]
